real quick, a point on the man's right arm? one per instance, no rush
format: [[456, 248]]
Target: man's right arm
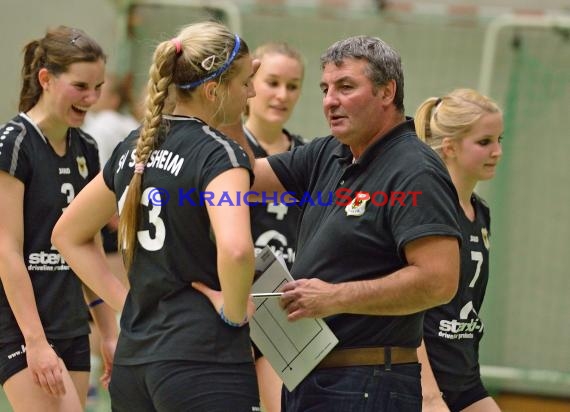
[[265, 178], [430, 279]]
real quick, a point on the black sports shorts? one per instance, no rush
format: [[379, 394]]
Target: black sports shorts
[[74, 352]]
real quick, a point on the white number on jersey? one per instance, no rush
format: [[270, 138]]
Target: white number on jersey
[[477, 257], [68, 190], [146, 241], [279, 209]]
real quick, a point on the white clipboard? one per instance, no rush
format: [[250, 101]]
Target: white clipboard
[[292, 348]]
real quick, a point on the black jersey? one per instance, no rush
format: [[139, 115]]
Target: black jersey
[[452, 331], [164, 318], [275, 224], [51, 182], [344, 238]]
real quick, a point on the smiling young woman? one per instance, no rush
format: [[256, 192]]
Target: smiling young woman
[[45, 160]]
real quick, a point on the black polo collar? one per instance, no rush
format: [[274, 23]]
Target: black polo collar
[[345, 156]]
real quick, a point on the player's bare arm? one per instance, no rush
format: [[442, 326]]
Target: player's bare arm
[[78, 244], [432, 399], [43, 362]]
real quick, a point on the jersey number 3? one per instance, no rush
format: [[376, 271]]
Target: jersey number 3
[[144, 236]]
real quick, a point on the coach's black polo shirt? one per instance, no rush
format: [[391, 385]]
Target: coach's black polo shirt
[[411, 196]]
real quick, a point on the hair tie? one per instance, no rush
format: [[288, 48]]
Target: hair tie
[[217, 72], [139, 168], [96, 302], [436, 107], [177, 45]]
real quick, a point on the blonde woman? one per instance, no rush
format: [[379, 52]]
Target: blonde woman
[[178, 348], [277, 85], [465, 128]]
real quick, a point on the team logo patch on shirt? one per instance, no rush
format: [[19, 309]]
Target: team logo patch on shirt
[[485, 236], [358, 204], [82, 166]]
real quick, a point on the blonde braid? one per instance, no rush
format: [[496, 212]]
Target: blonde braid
[[160, 78]]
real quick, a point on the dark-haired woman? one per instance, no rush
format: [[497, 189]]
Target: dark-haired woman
[[45, 160]]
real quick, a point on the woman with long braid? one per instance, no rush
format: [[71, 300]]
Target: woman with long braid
[[177, 350]]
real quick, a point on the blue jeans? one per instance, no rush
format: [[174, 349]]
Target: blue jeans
[[357, 389]]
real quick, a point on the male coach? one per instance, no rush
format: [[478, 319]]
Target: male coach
[[369, 270]]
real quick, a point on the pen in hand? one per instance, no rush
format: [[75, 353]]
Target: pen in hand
[[266, 295]]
